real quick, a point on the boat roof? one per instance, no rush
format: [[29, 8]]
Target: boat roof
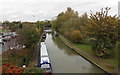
[[45, 66], [44, 59], [43, 49]]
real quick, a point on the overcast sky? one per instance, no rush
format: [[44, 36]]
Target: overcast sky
[[23, 10]]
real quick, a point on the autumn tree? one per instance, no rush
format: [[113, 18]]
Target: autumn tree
[[102, 30], [76, 36], [62, 18], [68, 23]]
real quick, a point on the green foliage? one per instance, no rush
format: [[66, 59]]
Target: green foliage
[[40, 24], [62, 18], [34, 70], [13, 26], [86, 48], [43, 24], [56, 24], [68, 24], [71, 24], [47, 24], [28, 36], [17, 56], [102, 29], [20, 26]]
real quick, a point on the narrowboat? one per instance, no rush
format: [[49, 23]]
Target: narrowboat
[[44, 59]]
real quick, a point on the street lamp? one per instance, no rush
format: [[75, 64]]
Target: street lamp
[[34, 17]]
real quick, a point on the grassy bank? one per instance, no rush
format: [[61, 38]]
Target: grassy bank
[[86, 52], [88, 49], [4, 30]]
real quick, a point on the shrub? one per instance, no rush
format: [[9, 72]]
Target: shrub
[[34, 70], [8, 68], [76, 36]]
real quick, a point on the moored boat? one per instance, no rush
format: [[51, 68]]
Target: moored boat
[[44, 59]]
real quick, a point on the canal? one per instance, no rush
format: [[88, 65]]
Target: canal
[[65, 60]]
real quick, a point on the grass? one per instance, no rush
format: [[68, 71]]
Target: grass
[[84, 47], [114, 60], [111, 63], [88, 49], [3, 30]]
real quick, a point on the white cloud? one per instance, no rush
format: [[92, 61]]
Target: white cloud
[[47, 9]]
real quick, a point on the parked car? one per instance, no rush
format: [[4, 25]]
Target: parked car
[[6, 38], [13, 35], [18, 47], [1, 41]]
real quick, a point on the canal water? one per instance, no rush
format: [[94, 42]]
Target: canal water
[[64, 60]]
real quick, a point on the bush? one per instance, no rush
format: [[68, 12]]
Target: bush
[[34, 70], [104, 53], [9, 68], [76, 36], [11, 57]]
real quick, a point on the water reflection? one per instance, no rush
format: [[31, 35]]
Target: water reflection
[[65, 60], [62, 46]]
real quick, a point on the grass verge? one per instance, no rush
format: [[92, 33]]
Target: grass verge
[[86, 52]]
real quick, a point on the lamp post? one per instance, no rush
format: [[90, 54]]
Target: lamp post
[[34, 17]]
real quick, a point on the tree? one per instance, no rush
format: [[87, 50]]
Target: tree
[[102, 30], [62, 18], [69, 23], [28, 36], [55, 24], [20, 26], [47, 24], [15, 25]]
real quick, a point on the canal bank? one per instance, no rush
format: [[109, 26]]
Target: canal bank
[[86, 56], [65, 60]]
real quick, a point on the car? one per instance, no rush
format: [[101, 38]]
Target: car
[[18, 47], [1, 41], [13, 35], [6, 38]]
